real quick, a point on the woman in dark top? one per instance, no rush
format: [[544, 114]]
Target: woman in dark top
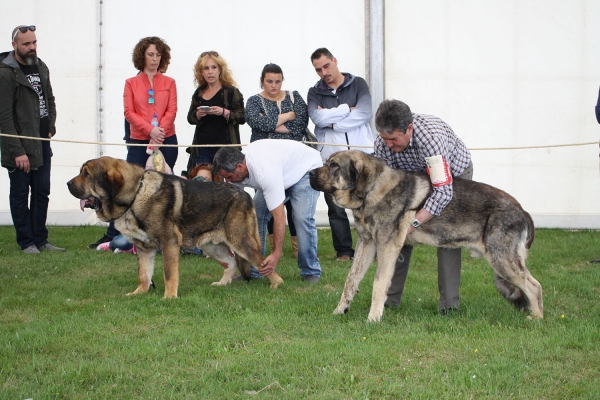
[[277, 114], [217, 108]]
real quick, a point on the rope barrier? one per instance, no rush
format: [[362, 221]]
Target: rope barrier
[[318, 143]]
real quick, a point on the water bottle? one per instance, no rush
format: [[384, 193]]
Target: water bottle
[[154, 122]]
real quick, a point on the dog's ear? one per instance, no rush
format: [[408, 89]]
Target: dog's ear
[[114, 181], [359, 172]]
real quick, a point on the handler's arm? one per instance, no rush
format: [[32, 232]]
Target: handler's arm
[[270, 263], [422, 216]]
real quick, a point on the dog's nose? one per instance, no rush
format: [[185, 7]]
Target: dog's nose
[[312, 173]]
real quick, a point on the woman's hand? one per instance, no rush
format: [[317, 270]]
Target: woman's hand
[[216, 110], [282, 119], [200, 113], [290, 115], [157, 135], [282, 129]]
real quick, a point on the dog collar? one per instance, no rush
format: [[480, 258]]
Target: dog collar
[[128, 206]]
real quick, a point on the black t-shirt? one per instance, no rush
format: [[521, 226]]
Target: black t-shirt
[[214, 129], [33, 76]]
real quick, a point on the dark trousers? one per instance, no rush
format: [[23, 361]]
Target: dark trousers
[[137, 155], [206, 155], [340, 228], [449, 264], [29, 213]]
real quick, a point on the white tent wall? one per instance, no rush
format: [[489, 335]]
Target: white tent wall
[[501, 73], [67, 34], [508, 74], [76, 38]]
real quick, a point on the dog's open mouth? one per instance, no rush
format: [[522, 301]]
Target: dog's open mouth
[[90, 202]]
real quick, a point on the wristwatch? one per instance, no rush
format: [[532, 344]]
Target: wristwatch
[[415, 223]]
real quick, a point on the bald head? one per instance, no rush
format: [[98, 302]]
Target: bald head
[[21, 29], [24, 43]]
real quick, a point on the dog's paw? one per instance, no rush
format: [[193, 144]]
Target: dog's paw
[[534, 317], [220, 283], [139, 290], [275, 280], [340, 310], [374, 318]]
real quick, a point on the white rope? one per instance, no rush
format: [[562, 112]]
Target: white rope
[[318, 143]]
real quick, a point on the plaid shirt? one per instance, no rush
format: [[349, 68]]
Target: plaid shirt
[[431, 137]]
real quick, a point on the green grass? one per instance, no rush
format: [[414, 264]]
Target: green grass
[[69, 331]]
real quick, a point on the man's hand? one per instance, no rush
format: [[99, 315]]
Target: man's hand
[[22, 162], [422, 216], [269, 265]]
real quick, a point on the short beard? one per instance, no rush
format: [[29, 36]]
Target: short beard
[[29, 60]]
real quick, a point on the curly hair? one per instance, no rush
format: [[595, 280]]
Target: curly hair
[[205, 166], [138, 56], [225, 75]]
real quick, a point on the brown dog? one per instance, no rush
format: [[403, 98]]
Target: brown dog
[[158, 211], [384, 201]]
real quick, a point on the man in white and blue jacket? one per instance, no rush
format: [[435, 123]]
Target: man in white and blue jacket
[[340, 107]]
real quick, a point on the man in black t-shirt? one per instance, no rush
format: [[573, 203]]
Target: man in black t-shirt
[[27, 109]]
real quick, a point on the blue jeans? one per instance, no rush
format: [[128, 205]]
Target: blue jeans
[[304, 204], [119, 242], [137, 154], [30, 219]]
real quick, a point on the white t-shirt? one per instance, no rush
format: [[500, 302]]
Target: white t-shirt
[[275, 164]]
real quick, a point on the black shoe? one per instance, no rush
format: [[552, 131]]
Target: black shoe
[[449, 311], [104, 239], [310, 279]]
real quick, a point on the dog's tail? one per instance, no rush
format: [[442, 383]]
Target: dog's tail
[[530, 230], [244, 267], [511, 293]]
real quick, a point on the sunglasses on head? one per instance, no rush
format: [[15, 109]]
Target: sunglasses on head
[[209, 53], [151, 99], [23, 29]]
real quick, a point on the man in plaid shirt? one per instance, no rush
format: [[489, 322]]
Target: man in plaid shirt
[[405, 140]]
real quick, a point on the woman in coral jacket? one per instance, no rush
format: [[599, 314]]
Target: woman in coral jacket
[[147, 94]]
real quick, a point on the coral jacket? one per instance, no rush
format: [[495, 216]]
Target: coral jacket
[[139, 112]]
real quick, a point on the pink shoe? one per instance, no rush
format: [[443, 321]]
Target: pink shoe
[[104, 246], [131, 250]]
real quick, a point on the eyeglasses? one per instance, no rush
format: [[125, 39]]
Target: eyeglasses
[[212, 53], [23, 29], [151, 99]]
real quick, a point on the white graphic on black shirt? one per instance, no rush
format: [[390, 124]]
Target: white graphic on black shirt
[[36, 82]]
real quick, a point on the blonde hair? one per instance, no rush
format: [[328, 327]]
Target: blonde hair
[[225, 75]]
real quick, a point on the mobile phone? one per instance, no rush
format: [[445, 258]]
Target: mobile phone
[[204, 108]]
